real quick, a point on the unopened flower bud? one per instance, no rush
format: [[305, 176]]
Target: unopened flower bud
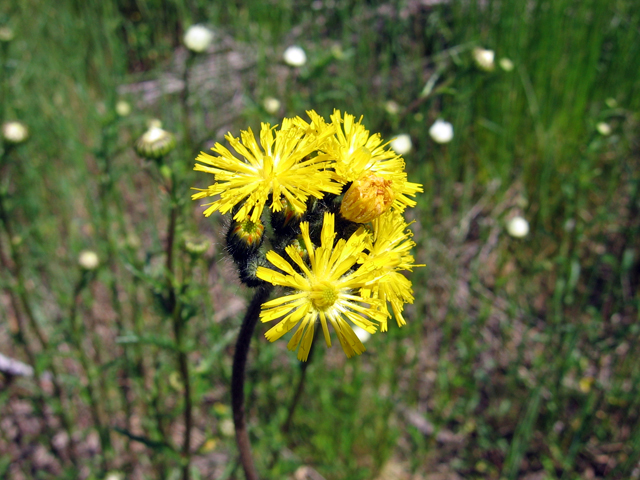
[[155, 143], [484, 58], [197, 38], [14, 133], [244, 238], [248, 268], [165, 171], [88, 260], [285, 220], [368, 197], [195, 245]]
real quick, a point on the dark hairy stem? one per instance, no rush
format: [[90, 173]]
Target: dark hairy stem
[[237, 379]]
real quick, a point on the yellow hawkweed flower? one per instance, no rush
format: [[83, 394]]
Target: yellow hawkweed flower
[[278, 166], [357, 154], [326, 289], [390, 253]]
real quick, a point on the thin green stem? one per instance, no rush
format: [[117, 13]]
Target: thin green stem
[[286, 426], [184, 100], [76, 336], [39, 398], [237, 379], [105, 195], [33, 324], [179, 327]]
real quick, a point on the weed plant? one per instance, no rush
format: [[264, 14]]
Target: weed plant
[[518, 357]]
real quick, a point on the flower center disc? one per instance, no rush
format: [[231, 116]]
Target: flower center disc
[[323, 295]]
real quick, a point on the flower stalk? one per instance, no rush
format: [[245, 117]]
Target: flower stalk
[[237, 379]]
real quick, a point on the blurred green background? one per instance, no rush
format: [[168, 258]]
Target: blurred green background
[[518, 358]]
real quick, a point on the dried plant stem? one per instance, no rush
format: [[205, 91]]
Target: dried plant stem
[[237, 380]]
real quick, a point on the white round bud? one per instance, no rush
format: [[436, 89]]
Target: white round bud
[[295, 56], [611, 102], [271, 105], [227, 428], [6, 34], [197, 38], [401, 144], [155, 143], [441, 131], [392, 107], [506, 64], [518, 227], [123, 108], [603, 128], [88, 260], [15, 132], [484, 58]]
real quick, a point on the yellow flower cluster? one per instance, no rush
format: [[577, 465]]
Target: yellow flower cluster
[[348, 242]]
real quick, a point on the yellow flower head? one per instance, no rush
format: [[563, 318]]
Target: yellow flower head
[[358, 154], [325, 288], [390, 252], [282, 164]]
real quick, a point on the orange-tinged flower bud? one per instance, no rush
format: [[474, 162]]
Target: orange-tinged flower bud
[[368, 198], [248, 232]]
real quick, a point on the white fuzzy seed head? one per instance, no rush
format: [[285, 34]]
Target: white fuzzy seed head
[[401, 144], [295, 56], [197, 38], [441, 131], [518, 227]]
